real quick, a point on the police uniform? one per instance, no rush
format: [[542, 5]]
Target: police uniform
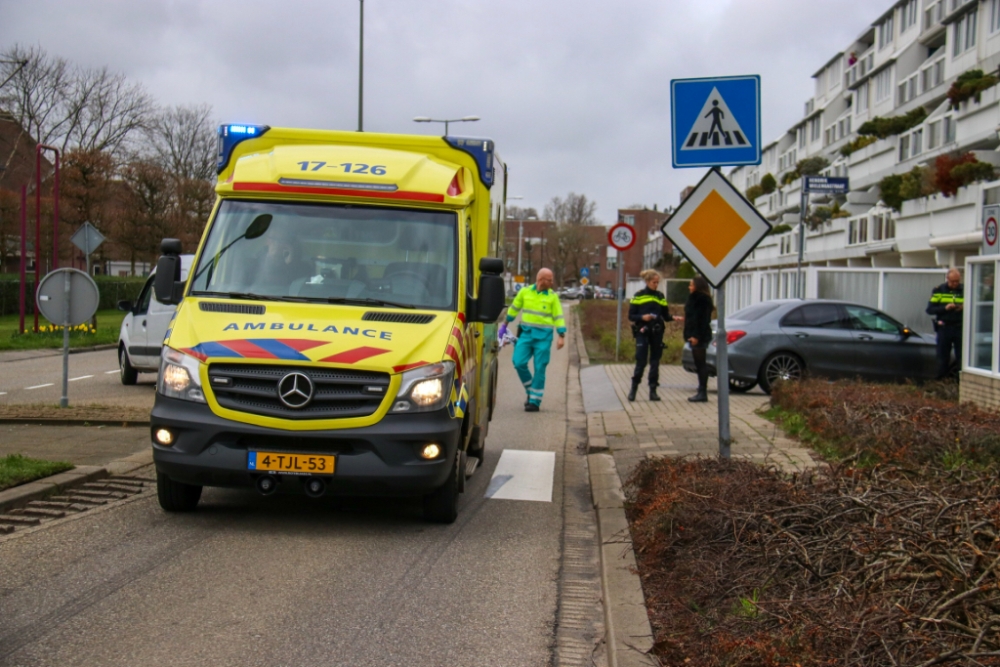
[[947, 324], [648, 336], [541, 316]]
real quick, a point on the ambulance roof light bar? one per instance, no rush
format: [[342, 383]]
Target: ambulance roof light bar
[[230, 135]]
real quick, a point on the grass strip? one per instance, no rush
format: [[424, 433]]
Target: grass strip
[[16, 469], [109, 323]]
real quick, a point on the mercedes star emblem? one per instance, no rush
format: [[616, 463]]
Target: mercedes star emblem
[[295, 390]]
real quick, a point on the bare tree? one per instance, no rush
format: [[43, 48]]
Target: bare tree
[[146, 218], [519, 213], [571, 243], [574, 210], [183, 139], [72, 107]]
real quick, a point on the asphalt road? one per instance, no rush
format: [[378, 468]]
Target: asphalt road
[[286, 581], [93, 379]]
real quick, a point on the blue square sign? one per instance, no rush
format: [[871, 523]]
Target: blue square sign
[[715, 122]]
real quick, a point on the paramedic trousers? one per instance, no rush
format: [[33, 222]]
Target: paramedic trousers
[[533, 342]]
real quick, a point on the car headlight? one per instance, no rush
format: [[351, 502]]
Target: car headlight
[[425, 389], [180, 376]]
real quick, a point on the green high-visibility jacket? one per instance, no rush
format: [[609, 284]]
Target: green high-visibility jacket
[[538, 309]]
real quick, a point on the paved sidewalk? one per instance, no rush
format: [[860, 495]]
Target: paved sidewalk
[[80, 445], [675, 427]]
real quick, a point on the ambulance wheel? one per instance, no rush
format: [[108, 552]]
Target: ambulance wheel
[[477, 443], [441, 504], [175, 496], [126, 371]]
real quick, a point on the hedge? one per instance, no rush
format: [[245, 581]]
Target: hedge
[[111, 288]]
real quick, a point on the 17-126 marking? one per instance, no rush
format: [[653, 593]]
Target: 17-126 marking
[[349, 167]]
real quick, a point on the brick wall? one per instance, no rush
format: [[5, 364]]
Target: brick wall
[[983, 391]]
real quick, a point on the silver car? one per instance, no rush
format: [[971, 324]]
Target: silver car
[[787, 338]]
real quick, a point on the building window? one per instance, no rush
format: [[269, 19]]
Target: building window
[[802, 137], [949, 130], [908, 16], [815, 129], [835, 72], [933, 135], [904, 147], [994, 15], [883, 227], [885, 33], [883, 84], [858, 231], [916, 142], [964, 33], [629, 220], [862, 106]]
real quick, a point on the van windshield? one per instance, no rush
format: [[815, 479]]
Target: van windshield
[[330, 253]]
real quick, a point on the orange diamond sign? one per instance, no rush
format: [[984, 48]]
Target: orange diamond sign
[[716, 228]]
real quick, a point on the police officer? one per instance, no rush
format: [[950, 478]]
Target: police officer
[[648, 314], [946, 304], [541, 316]]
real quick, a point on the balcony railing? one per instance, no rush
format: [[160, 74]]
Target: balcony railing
[[864, 64], [933, 14]]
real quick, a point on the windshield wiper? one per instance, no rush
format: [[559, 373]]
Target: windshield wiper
[[249, 296], [367, 301]]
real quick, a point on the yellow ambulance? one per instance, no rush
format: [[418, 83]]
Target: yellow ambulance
[[336, 333]]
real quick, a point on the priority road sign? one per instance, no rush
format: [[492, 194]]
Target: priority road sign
[[585, 281], [716, 228], [715, 121]]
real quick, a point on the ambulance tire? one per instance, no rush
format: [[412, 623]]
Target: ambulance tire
[[441, 504], [477, 443], [176, 496], [126, 371]]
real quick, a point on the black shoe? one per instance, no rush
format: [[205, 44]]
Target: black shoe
[[653, 395], [527, 402], [631, 392], [531, 407], [700, 397]]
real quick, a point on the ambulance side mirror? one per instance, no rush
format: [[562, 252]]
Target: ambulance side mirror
[[167, 285], [492, 296]]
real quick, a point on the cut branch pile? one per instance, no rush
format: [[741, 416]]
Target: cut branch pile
[[885, 566]]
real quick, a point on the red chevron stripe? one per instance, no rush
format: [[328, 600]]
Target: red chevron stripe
[[355, 355], [457, 333], [301, 344], [247, 349], [453, 353], [406, 367]]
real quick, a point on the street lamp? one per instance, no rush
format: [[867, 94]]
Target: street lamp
[[464, 119]]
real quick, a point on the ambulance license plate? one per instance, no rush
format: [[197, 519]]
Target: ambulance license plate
[[291, 464]]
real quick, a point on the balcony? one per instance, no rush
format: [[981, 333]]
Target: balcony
[[857, 72], [934, 32]]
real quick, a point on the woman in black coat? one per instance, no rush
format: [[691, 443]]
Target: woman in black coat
[[698, 331]]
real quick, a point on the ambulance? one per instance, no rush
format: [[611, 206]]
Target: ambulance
[[337, 330]]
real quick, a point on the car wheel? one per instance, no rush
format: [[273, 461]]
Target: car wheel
[[741, 386], [176, 496], [441, 504], [126, 371], [780, 366]]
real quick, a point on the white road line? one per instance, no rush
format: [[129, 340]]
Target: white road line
[[110, 372], [82, 377], [39, 386], [523, 475], [3, 393]]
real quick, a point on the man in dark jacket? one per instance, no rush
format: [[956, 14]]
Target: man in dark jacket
[[946, 305], [648, 313]]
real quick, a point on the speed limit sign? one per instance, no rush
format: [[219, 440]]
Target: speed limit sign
[[990, 215], [621, 237]]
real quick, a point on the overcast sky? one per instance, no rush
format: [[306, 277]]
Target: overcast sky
[[575, 94]]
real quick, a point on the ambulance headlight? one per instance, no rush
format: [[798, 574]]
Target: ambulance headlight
[[180, 376], [425, 389]]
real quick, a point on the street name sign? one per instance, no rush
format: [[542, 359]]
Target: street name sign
[[715, 121], [716, 228], [621, 237], [830, 184]]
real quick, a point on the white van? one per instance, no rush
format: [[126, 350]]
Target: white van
[[144, 329]]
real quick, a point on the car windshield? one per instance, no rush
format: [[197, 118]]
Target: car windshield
[[330, 253]]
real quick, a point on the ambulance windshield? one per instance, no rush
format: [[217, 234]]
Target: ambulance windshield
[[330, 253]]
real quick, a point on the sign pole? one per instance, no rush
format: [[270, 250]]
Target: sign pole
[[621, 296], [722, 372], [803, 202], [67, 281]]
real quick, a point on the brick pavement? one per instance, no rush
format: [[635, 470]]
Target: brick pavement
[[675, 427]]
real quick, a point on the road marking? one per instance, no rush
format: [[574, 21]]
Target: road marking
[[39, 386], [82, 377], [110, 372], [523, 475], [3, 393]]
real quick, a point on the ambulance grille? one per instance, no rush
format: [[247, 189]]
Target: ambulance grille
[[400, 318], [337, 393], [241, 308]]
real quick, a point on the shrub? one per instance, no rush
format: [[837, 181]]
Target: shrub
[[768, 183], [881, 128], [970, 84], [811, 166], [780, 229], [952, 173], [857, 144], [686, 271], [753, 192], [897, 188]]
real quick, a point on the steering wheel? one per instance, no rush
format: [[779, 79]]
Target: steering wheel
[[414, 276]]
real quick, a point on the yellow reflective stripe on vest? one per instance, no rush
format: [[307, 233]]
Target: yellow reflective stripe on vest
[[543, 310], [639, 300], [944, 297]]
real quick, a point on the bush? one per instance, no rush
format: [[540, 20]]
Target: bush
[[970, 84], [811, 166], [112, 289], [768, 183], [897, 188], [857, 144], [753, 192], [780, 229], [881, 128], [686, 271], [952, 173]]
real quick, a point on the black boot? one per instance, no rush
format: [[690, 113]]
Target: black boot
[[652, 393], [702, 395], [631, 392]]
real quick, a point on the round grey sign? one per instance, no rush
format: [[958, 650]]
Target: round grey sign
[[62, 285]]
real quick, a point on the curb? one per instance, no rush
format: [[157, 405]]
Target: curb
[[57, 352], [73, 422], [47, 486], [629, 636]]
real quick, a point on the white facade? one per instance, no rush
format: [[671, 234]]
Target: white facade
[[908, 58]]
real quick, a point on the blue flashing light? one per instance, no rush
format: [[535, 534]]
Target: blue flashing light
[[481, 151], [230, 135]]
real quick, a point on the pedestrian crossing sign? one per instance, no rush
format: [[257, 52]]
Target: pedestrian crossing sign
[[715, 122]]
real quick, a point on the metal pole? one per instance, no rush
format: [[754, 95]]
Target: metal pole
[[803, 202], [520, 243], [67, 281], [361, 69], [621, 297], [38, 225], [55, 216], [722, 375], [24, 255]]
